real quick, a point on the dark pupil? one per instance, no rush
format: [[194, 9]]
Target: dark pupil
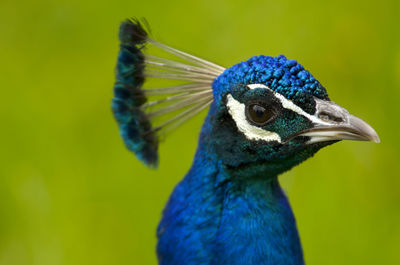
[[259, 114]]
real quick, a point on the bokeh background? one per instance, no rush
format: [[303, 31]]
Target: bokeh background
[[70, 193]]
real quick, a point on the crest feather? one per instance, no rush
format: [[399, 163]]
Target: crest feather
[[145, 114]]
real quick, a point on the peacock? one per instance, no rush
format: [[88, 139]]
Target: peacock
[[265, 116]]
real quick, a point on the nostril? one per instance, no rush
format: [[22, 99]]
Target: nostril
[[329, 117], [338, 119]]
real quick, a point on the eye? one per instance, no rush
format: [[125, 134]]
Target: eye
[[260, 114]]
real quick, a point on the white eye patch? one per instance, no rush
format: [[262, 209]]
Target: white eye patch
[[237, 111]]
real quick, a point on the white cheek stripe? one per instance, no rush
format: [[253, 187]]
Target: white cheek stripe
[[288, 104], [237, 111]]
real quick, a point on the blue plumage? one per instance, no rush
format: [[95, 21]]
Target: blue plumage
[[284, 76], [216, 217], [266, 115]]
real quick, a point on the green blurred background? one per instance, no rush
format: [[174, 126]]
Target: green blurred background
[[70, 193]]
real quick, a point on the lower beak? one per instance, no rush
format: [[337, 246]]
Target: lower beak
[[336, 123]]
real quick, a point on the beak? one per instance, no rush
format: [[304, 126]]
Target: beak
[[332, 122]]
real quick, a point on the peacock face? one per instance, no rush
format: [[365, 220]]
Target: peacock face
[[272, 112]]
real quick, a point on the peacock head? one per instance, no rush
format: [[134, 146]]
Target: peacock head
[[271, 114], [267, 113]]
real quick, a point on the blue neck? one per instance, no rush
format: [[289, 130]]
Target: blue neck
[[213, 217], [257, 225], [232, 222]]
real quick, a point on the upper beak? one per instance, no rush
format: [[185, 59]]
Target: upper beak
[[332, 122]]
